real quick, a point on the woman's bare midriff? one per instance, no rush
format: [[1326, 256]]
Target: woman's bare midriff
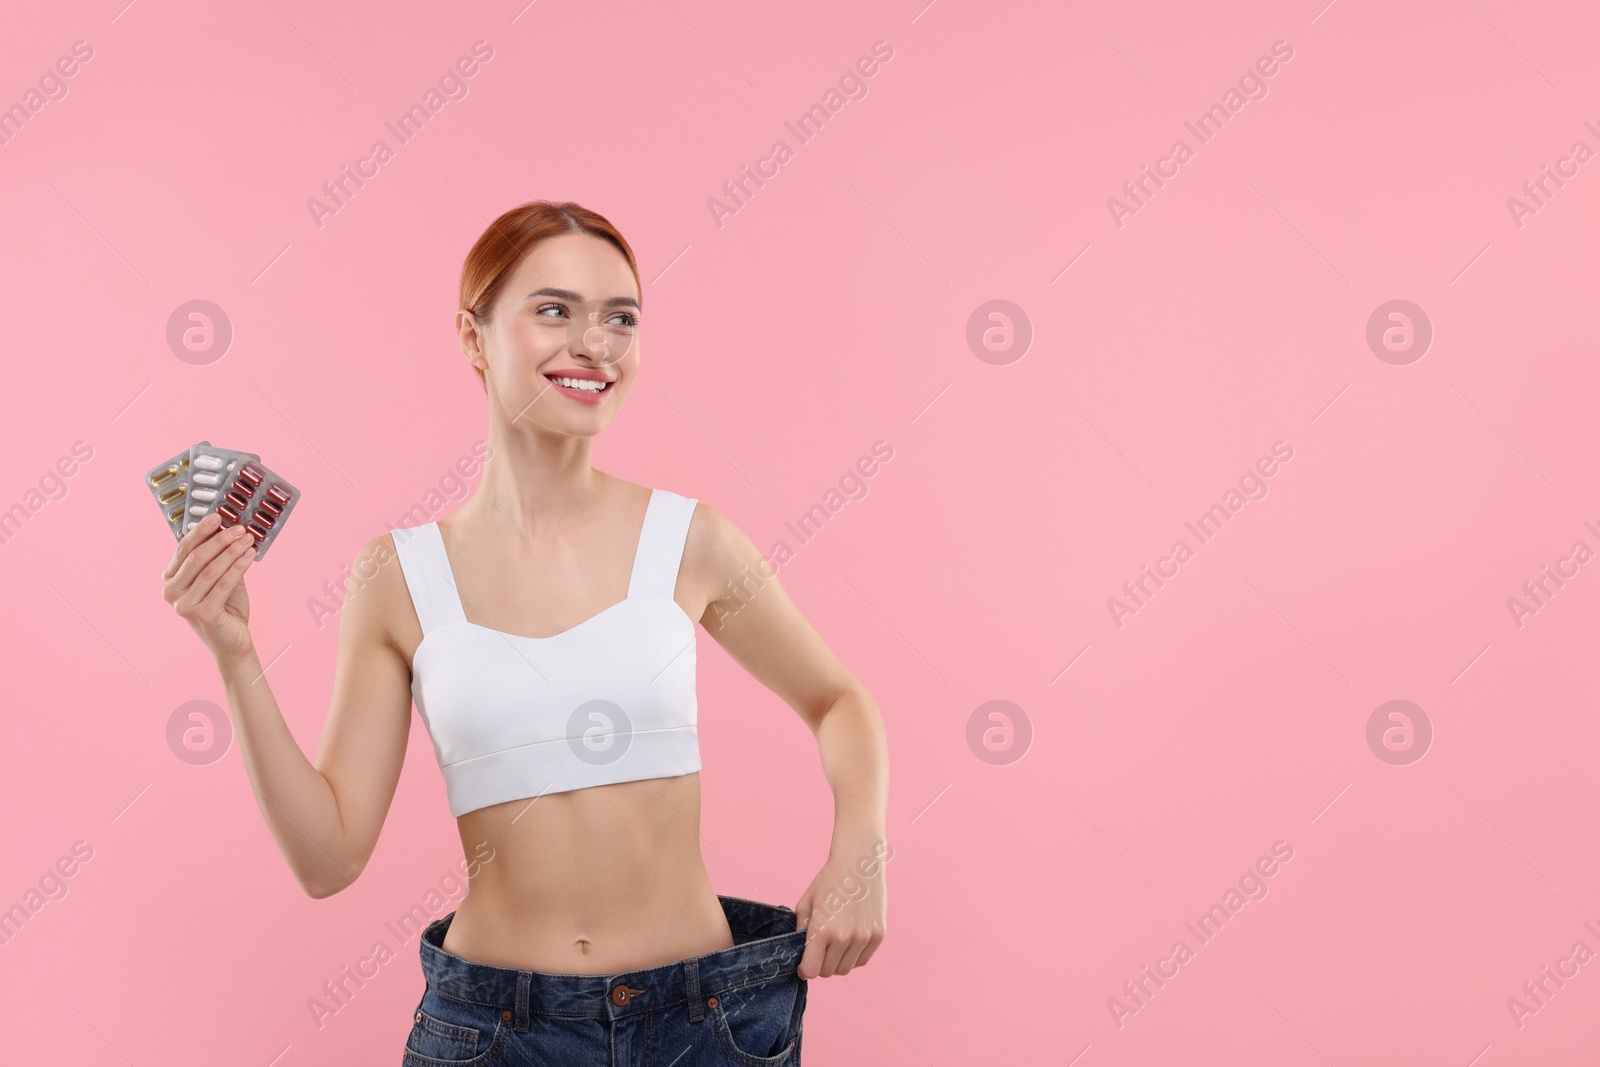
[[589, 881]]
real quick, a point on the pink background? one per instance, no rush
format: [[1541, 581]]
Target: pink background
[[829, 313]]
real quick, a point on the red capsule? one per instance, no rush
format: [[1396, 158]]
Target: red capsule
[[255, 531], [263, 519], [251, 473], [278, 493], [243, 488], [237, 501], [229, 516], [269, 508]]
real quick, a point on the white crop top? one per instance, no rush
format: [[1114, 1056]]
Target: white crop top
[[611, 699]]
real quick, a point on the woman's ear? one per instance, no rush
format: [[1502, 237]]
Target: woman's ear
[[470, 333]]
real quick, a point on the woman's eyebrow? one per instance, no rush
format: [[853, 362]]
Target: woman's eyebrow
[[568, 294]]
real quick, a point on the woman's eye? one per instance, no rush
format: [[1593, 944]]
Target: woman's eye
[[627, 318]]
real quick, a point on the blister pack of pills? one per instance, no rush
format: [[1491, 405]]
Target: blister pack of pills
[[169, 483], [236, 485]]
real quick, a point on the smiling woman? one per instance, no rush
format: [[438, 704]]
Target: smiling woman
[[546, 632], [606, 326]]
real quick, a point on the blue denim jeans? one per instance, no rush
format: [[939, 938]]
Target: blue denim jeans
[[739, 1005]]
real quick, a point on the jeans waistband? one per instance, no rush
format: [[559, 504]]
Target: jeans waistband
[[766, 946]]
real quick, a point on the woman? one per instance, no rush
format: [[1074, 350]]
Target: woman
[[546, 631]]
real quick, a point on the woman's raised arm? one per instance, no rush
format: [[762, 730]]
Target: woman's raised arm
[[324, 816]]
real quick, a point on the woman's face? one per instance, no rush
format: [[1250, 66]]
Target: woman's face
[[565, 322]]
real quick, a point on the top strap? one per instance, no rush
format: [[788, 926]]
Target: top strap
[[427, 571], [661, 541]]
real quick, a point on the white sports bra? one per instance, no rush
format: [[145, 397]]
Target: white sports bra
[[611, 699]]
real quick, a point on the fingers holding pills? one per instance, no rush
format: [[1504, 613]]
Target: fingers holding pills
[[237, 543], [207, 488], [187, 543], [194, 567], [193, 557], [175, 579], [213, 600], [225, 508], [231, 578]]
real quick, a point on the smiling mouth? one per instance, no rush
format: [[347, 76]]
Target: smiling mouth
[[582, 385]]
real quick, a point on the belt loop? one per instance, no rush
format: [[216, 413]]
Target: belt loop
[[691, 982], [524, 981]]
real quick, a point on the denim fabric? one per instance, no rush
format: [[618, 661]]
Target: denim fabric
[[739, 1005]]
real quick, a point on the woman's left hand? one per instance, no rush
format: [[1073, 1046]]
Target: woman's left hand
[[843, 910]]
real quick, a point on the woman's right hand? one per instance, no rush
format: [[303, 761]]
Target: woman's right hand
[[205, 584]]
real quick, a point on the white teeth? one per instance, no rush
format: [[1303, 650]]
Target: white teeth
[[580, 383]]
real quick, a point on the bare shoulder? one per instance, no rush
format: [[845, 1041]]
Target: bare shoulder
[[714, 538], [718, 559], [377, 602]]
